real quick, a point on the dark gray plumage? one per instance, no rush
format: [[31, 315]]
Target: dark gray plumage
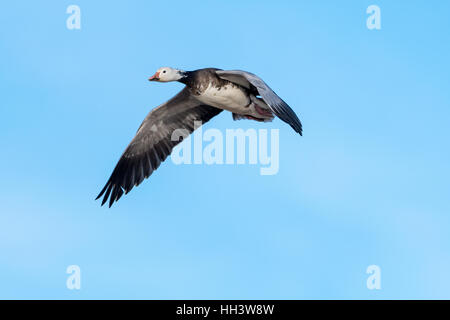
[[152, 142]]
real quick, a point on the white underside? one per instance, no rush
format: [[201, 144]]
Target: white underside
[[231, 98]]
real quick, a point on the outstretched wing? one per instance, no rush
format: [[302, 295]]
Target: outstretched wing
[[258, 86], [153, 142]]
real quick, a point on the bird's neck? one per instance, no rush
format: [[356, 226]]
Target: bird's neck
[[186, 77]]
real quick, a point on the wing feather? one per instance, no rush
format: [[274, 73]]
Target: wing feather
[[277, 105], [152, 143]]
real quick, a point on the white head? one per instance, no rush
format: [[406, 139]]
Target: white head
[[166, 74]]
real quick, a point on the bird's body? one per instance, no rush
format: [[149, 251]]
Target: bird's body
[[212, 90], [229, 97], [207, 92]]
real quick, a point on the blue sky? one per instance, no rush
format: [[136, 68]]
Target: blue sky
[[367, 184]]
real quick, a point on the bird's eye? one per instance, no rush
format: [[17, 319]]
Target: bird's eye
[[164, 71]]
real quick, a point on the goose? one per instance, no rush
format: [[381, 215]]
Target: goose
[[207, 93]]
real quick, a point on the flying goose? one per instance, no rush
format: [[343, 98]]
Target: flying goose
[[207, 92]]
